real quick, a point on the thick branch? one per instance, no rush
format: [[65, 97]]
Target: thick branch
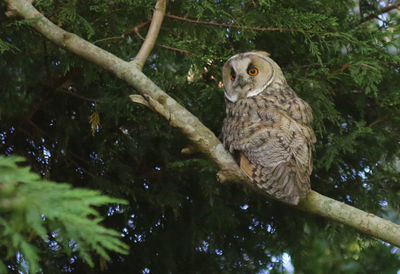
[[204, 140], [177, 115], [363, 221], [152, 34]]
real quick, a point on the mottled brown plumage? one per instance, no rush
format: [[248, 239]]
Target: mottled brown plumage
[[269, 125]]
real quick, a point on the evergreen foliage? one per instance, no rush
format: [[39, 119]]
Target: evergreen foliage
[[38, 213], [75, 123]]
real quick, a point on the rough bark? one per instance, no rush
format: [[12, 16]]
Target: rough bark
[[204, 140]]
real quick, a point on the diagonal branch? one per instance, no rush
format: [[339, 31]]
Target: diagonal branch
[[381, 11], [152, 34], [204, 140]]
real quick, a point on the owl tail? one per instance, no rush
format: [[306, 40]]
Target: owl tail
[[282, 182]]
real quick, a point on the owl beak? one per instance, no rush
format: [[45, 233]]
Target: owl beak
[[241, 82]]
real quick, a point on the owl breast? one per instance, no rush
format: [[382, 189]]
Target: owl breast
[[272, 134]]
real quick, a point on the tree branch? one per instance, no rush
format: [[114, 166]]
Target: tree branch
[[184, 19], [381, 11], [204, 140], [152, 34], [365, 222], [136, 31], [384, 118]]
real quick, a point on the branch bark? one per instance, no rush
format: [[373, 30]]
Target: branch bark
[[152, 34], [204, 140]]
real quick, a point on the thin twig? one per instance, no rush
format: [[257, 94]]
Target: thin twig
[[152, 34], [109, 38], [161, 45], [223, 25], [381, 11], [79, 96], [337, 71], [135, 29], [174, 49], [383, 119]]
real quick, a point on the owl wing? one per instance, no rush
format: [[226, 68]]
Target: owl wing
[[276, 154]]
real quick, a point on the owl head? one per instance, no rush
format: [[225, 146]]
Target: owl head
[[248, 74]]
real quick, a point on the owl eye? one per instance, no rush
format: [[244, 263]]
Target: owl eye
[[252, 71], [233, 76]]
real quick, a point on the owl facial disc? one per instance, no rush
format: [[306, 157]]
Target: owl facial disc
[[246, 75]]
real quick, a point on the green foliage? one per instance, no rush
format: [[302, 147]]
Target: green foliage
[[36, 212], [75, 123], [5, 46]]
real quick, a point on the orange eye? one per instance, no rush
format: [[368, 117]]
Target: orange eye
[[252, 71], [233, 77]]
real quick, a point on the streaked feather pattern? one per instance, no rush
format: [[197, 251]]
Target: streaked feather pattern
[[272, 132]]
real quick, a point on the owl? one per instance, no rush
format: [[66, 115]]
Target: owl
[[267, 126]]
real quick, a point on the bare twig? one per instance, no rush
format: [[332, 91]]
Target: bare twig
[[136, 29], [210, 23], [164, 46], [381, 11], [384, 119], [204, 140], [174, 49], [109, 38], [152, 34], [337, 71], [79, 96]]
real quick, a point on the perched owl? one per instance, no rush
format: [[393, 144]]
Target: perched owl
[[269, 125]]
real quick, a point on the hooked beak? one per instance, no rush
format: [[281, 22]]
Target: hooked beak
[[240, 82]]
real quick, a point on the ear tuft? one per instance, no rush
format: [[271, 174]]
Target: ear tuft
[[266, 54]]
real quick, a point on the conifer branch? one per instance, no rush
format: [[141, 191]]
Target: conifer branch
[[152, 34], [204, 139]]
